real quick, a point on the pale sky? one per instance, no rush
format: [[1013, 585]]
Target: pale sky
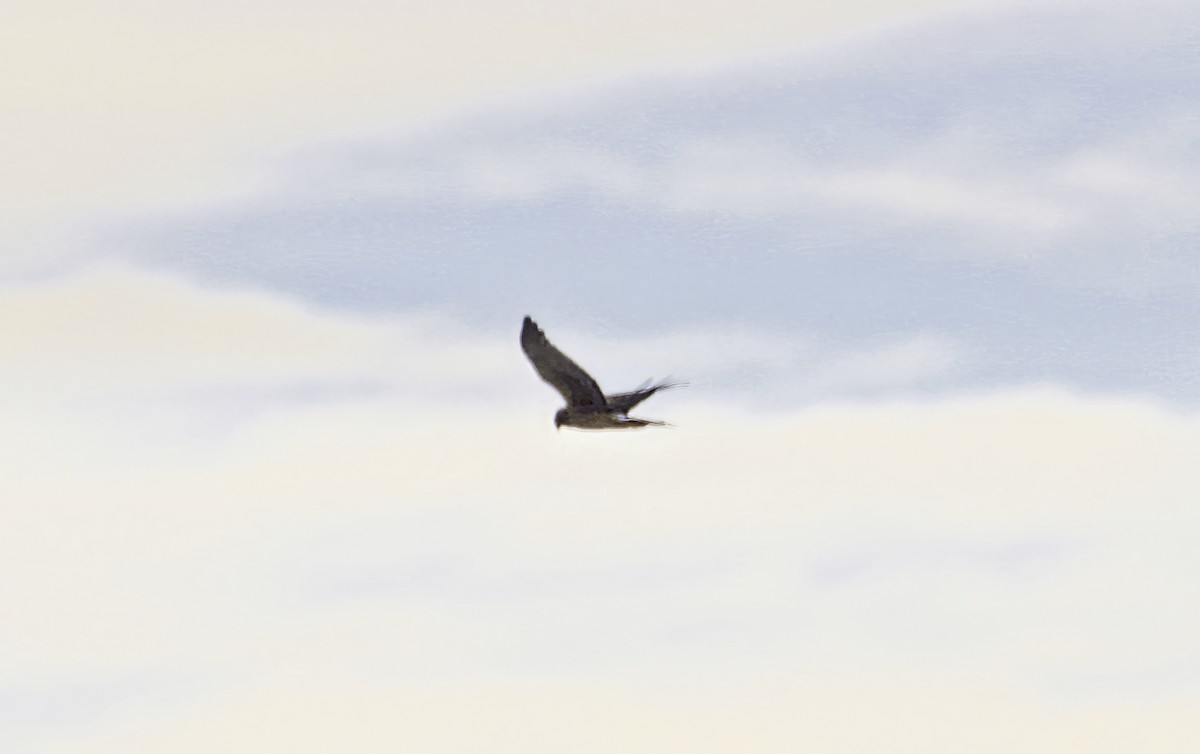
[[277, 477]]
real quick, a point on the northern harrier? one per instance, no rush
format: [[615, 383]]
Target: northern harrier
[[587, 406]]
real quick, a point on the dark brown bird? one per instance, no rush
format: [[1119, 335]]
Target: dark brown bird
[[587, 406]]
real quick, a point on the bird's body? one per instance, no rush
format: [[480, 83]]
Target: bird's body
[[588, 417], [587, 406]]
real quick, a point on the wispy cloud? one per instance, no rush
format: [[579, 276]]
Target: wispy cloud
[[747, 177], [124, 113]]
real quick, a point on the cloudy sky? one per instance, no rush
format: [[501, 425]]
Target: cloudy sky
[[275, 475]]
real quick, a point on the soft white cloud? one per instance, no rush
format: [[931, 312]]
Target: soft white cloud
[[119, 328], [905, 362], [852, 712], [119, 331], [757, 178], [1141, 176], [927, 195], [1031, 539]]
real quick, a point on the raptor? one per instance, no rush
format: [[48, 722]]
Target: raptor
[[587, 405]]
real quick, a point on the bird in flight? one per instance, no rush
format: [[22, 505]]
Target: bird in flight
[[587, 406]]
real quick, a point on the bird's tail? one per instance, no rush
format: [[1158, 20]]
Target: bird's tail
[[624, 402]]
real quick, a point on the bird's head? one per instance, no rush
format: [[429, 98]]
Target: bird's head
[[560, 418]]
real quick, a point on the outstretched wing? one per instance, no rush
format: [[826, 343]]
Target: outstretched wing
[[623, 402], [577, 386]]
